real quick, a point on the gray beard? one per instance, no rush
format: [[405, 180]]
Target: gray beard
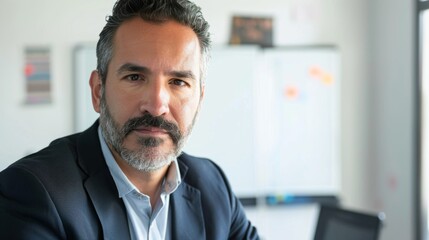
[[146, 158]]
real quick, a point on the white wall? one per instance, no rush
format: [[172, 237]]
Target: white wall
[[59, 25], [376, 75]]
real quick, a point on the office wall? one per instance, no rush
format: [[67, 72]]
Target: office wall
[[392, 115], [58, 25], [376, 145]]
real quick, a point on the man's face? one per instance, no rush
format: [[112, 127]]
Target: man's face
[[152, 93]]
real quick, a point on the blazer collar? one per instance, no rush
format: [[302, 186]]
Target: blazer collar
[[100, 186], [186, 212]]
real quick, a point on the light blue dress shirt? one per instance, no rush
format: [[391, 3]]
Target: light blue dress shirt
[[145, 221]]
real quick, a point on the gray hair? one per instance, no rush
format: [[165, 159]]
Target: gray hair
[[157, 11]]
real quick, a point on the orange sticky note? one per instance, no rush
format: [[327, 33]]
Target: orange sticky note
[[291, 92], [327, 79]]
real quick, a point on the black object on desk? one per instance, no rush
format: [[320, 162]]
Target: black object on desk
[[337, 224]]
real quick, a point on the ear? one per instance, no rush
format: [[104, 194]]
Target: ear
[[203, 89], [95, 84]]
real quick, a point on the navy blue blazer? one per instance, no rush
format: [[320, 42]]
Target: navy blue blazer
[[65, 191]]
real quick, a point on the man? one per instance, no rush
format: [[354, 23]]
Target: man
[[126, 177]]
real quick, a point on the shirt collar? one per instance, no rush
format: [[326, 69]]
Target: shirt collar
[[172, 178], [171, 181]]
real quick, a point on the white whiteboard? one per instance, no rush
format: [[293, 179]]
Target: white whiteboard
[[270, 118], [302, 88]]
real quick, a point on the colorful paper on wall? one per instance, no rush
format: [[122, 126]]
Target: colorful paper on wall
[[38, 75]]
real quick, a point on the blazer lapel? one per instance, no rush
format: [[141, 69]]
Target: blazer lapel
[[186, 212], [101, 187], [109, 206]]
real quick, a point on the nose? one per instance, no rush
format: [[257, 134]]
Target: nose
[[156, 98]]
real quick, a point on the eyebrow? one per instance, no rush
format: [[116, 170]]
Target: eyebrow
[[130, 67], [182, 74]]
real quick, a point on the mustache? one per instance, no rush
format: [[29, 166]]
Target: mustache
[[147, 120]]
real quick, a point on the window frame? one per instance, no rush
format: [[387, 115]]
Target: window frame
[[422, 210]]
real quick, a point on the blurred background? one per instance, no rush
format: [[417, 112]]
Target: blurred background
[[381, 160]]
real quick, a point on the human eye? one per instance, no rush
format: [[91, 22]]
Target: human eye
[[179, 83], [133, 77]]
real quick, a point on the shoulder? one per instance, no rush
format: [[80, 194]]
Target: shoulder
[[194, 161], [51, 157], [61, 153], [204, 175], [199, 167], [52, 166], [61, 156]]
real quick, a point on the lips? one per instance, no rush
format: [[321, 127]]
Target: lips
[[151, 130]]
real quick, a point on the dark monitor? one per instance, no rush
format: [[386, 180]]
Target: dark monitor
[[337, 224]]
